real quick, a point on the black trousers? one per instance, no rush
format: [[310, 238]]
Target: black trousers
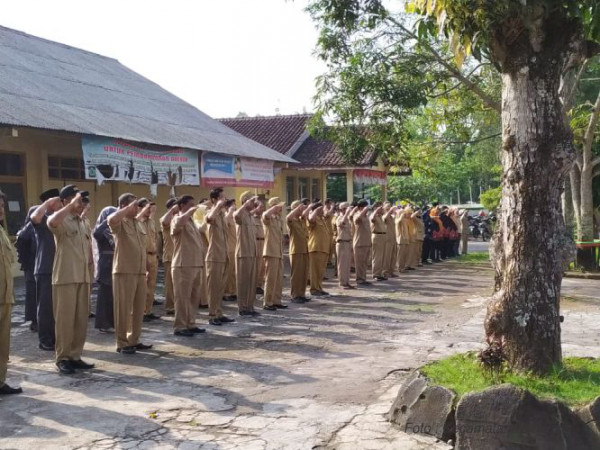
[[104, 307], [427, 250], [45, 314], [30, 297]]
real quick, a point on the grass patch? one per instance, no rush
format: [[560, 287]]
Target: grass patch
[[576, 383], [474, 258]]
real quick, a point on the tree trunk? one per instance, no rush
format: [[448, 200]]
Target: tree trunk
[[568, 211], [528, 251], [575, 183]]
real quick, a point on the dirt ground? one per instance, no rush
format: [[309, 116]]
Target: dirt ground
[[318, 375]]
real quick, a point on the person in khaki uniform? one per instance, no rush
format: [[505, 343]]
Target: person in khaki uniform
[[402, 238], [230, 289], [128, 274], [7, 299], [71, 280], [199, 219], [146, 220], [318, 248], [167, 253], [362, 241], [186, 265], [412, 239], [260, 247], [419, 236], [344, 245], [273, 255], [378, 241], [390, 257], [217, 258], [245, 254], [296, 221]]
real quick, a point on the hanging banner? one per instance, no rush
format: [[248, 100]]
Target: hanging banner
[[370, 177], [108, 159], [222, 170]]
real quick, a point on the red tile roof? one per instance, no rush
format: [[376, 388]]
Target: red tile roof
[[320, 153], [277, 132]]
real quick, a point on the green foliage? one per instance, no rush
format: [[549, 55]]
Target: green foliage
[[490, 199], [474, 258], [336, 187], [577, 382]]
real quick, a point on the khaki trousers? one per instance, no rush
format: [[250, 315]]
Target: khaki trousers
[[187, 282], [379, 241], [318, 265], [418, 253], [202, 292], [273, 281], [391, 258], [230, 275], [245, 273], [403, 254], [70, 304], [361, 257], [151, 273], [169, 296], [344, 256], [260, 264], [216, 273], [299, 274], [129, 299], [464, 239], [5, 309]]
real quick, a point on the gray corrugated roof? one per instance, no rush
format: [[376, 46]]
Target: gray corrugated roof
[[44, 84]]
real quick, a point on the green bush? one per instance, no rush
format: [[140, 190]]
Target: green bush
[[490, 199]]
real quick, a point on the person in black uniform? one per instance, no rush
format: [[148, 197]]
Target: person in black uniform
[[106, 249], [26, 249], [44, 259]]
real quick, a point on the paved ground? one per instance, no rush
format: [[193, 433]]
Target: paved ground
[[320, 375]]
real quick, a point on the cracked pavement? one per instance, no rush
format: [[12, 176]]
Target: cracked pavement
[[320, 375]]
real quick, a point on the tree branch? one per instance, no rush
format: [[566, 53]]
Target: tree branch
[[588, 139], [569, 84], [595, 161]]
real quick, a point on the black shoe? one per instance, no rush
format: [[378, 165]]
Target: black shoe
[[197, 330], [127, 350], [64, 366], [255, 313], [245, 313], [48, 348], [7, 390], [269, 308], [225, 319], [153, 316], [260, 291], [230, 298], [203, 307], [156, 303], [306, 299], [79, 364], [215, 322], [380, 278], [280, 306], [299, 300], [33, 326], [91, 315], [410, 268], [169, 313], [348, 286], [363, 283], [323, 293], [105, 330], [141, 346], [186, 333], [147, 318]]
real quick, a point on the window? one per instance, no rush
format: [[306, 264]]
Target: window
[[316, 188], [303, 188], [11, 164], [290, 193], [64, 168]]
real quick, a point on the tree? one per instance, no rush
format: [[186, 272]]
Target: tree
[[534, 44]]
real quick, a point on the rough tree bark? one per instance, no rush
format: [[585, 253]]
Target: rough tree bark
[[529, 245]]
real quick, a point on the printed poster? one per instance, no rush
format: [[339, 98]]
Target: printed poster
[[224, 170]]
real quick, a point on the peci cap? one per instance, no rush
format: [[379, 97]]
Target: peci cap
[[344, 205], [126, 198], [50, 193], [70, 190], [142, 202], [295, 204], [245, 196], [171, 202], [184, 199], [275, 201]]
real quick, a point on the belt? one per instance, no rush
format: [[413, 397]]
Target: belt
[[340, 240], [152, 253], [260, 239], [376, 232]]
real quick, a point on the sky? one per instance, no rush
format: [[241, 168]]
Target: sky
[[222, 56]]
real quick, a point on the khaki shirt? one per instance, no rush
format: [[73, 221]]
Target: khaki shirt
[[362, 235], [402, 235], [344, 229], [7, 258], [391, 230], [167, 244], [273, 228], [378, 226], [419, 228], [130, 247], [319, 239], [73, 248], [245, 246], [298, 236], [217, 239], [150, 228], [187, 243], [231, 238]]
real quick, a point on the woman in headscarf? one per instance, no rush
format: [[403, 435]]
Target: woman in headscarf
[[106, 249]]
